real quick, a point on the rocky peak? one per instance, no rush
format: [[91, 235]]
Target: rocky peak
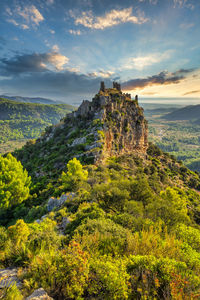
[[120, 120], [110, 125]]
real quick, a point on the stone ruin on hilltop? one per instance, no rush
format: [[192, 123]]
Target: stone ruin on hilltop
[[120, 121]]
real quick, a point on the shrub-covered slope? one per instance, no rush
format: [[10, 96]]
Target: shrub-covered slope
[[126, 227]]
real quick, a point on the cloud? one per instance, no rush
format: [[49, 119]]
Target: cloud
[[162, 78], [50, 2], [141, 62], [64, 85], [71, 86], [111, 18], [28, 13], [186, 25], [183, 3], [183, 71], [31, 14], [24, 26], [55, 48], [8, 11], [191, 92], [56, 59], [12, 21], [154, 2], [31, 63], [75, 32], [101, 73]]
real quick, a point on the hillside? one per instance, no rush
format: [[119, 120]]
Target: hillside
[[106, 215], [22, 121], [38, 100], [190, 112], [177, 137]]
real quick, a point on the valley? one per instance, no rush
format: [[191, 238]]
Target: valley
[[176, 130]]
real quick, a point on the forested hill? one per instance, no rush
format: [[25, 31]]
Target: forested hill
[[21, 121], [38, 100], [190, 112]]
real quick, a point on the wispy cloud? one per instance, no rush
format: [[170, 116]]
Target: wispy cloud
[[29, 14], [50, 2], [191, 92], [186, 25], [140, 62], [75, 32], [111, 18], [183, 3]]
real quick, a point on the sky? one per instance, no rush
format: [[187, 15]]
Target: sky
[[62, 49]]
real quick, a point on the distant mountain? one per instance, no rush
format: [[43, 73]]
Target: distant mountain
[[21, 121], [30, 100], [190, 112]]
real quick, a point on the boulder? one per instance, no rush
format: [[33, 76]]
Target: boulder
[[8, 277], [39, 294]]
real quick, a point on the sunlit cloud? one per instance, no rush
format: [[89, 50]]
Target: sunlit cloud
[[24, 26], [31, 63], [111, 18], [163, 78], [30, 14], [141, 62]]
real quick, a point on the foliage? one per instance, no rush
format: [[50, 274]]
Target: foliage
[[14, 182], [21, 121], [75, 175]]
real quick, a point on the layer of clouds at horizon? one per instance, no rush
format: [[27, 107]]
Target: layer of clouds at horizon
[[63, 49]]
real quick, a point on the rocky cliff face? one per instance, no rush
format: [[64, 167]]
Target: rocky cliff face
[[121, 128], [110, 125]]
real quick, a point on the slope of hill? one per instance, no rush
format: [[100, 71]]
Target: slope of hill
[[190, 112], [21, 121], [38, 100], [124, 224], [180, 138]]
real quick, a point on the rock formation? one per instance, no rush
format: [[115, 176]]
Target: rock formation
[[121, 122]]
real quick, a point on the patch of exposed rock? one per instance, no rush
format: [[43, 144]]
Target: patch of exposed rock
[[39, 294], [8, 277], [58, 202]]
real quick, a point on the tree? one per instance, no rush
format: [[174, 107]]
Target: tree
[[75, 175], [14, 182]]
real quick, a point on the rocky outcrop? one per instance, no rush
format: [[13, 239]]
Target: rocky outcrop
[[123, 128], [8, 277], [39, 294], [58, 202], [110, 125]]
